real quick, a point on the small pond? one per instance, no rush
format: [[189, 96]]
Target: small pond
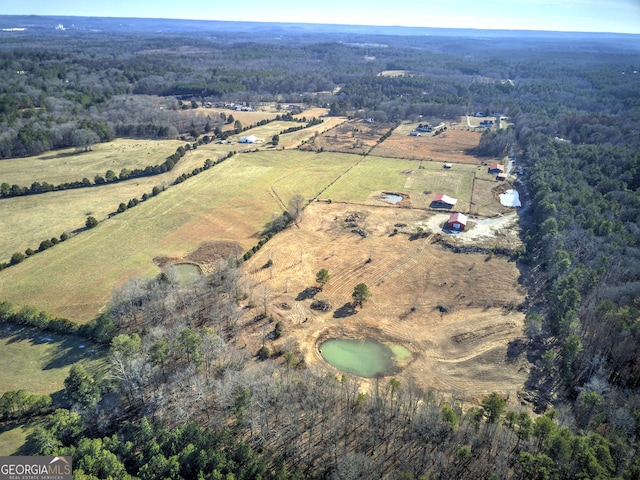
[[365, 358], [391, 198], [510, 198], [184, 273]]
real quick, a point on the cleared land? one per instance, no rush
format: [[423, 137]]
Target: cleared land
[[349, 137], [450, 146], [231, 201], [454, 312]]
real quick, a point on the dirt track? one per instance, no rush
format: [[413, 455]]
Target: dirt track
[[413, 282]]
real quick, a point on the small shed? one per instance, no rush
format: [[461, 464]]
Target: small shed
[[501, 176], [414, 133], [443, 201], [496, 168], [457, 221], [448, 165]]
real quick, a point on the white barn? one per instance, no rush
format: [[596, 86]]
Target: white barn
[[249, 139]]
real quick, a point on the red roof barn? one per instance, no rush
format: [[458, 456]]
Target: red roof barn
[[443, 201], [496, 168], [457, 221]]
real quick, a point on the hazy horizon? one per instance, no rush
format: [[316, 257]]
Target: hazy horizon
[[615, 16]]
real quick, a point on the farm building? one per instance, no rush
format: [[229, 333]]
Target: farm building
[[501, 176], [457, 221], [448, 165], [414, 133], [443, 201], [496, 168], [249, 139]]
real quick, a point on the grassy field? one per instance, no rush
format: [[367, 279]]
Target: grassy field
[[374, 174], [232, 201], [12, 439], [26, 221], [39, 364], [40, 361], [67, 165]]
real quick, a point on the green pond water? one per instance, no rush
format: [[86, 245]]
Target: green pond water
[[365, 358], [185, 273]]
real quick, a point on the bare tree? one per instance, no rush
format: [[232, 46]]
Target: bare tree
[[296, 205]]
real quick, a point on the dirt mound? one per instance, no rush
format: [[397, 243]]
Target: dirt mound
[[208, 253], [205, 256]]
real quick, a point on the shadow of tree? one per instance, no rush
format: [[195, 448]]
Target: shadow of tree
[[69, 349], [307, 293], [346, 310]]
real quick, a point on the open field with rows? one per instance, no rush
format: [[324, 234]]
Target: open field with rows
[[232, 201]]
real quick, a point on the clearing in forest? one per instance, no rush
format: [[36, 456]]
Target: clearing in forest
[[455, 312], [40, 361]]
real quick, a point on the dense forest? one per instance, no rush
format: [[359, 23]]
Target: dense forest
[[179, 402]]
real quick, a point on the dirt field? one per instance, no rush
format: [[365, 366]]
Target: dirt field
[[350, 137], [456, 313], [447, 147]]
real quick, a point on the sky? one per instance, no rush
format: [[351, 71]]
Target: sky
[[617, 16]]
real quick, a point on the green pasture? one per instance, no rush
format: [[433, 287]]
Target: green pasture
[[38, 362], [28, 220], [11, 439], [407, 176], [67, 165], [232, 201], [265, 132]]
